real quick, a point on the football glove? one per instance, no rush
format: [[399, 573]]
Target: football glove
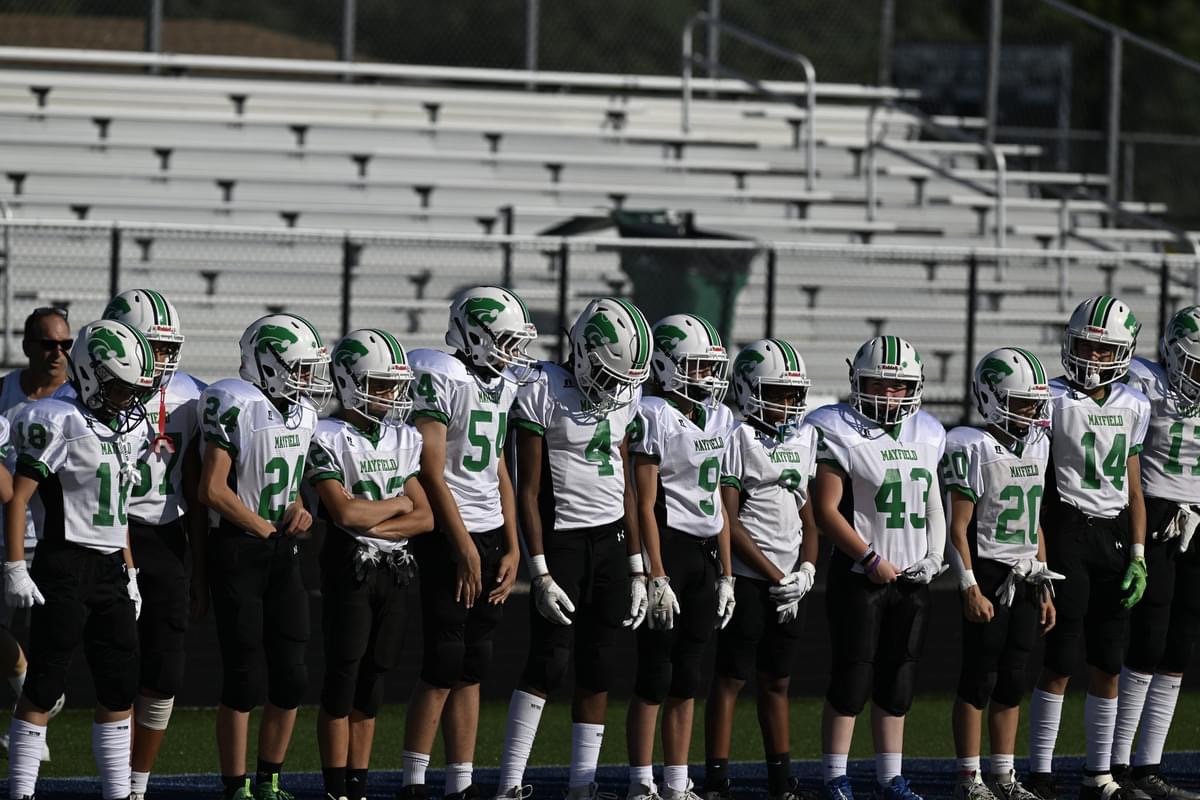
[[1182, 526], [1030, 570], [19, 589], [135, 594], [925, 570], [638, 602], [793, 586], [725, 601], [1134, 583], [663, 605], [552, 602]]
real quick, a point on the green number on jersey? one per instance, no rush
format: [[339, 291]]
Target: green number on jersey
[[599, 449], [1173, 467], [228, 420], [889, 499], [1017, 513], [285, 482], [367, 488], [36, 435], [425, 389], [1113, 466], [924, 475], [104, 515], [791, 479], [164, 486], [710, 474], [479, 439]]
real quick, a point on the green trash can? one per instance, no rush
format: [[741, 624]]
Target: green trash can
[[671, 281]]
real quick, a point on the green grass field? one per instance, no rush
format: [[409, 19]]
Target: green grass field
[[190, 746]]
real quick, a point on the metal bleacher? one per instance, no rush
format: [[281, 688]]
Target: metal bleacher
[[419, 162]]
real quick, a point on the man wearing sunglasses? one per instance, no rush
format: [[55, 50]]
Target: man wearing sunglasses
[[46, 342]]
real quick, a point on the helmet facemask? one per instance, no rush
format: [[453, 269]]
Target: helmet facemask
[[304, 377], [881, 407], [118, 404], [1029, 421], [779, 404], [700, 379], [1088, 371], [383, 397], [605, 389], [501, 353], [166, 358], [1183, 373]]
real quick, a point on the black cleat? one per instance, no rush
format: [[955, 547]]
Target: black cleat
[[1042, 784]]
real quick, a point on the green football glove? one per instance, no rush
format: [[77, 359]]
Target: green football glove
[[1134, 583]]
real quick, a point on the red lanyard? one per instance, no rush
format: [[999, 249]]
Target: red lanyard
[[162, 440]]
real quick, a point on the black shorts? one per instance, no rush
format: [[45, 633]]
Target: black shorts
[[754, 640], [87, 600], [1093, 553], [995, 653], [164, 564], [458, 640], [591, 566]]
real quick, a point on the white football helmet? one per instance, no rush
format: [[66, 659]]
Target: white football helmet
[[689, 359], [492, 328], [888, 358], [112, 371], [1180, 353], [1105, 320], [1008, 374], [771, 364], [155, 316], [283, 355], [371, 376], [610, 352]]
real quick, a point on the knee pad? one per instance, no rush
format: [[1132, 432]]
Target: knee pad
[[594, 666], [1010, 686], [653, 682], [975, 687], [118, 691], [546, 670], [1062, 650], [1106, 655], [153, 713], [896, 695], [849, 688], [1177, 654], [337, 693], [368, 694], [162, 673], [43, 688], [1147, 640], [243, 687], [687, 678], [477, 661], [286, 685], [442, 664]]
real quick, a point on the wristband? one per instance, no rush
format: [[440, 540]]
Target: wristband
[[537, 566], [1138, 551], [967, 579], [636, 565], [868, 557], [870, 568]]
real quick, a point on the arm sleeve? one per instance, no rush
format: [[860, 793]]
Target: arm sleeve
[[433, 397], [731, 463], [935, 521]]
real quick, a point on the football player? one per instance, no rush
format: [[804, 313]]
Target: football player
[[1165, 625], [80, 456], [579, 521], [678, 446], [468, 564], [770, 459], [995, 479], [363, 467], [257, 430], [877, 458], [1095, 523], [167, 526]]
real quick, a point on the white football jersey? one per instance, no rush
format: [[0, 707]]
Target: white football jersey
[[1091, 443], [891, 475], [587, 476], [85, 472], [772, 477], [12, 400], [1006, 486], [475, 413], [689, 461], [371, 467], [268, 450], [1171, 458]]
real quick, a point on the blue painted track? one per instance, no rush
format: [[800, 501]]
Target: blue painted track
[[932, 777]]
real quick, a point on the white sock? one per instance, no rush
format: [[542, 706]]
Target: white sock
[[1045, 714], [524, 714], [1001, 765], [642, 776], [458, 776], [1099, 719], [585, 753], [1156, 719], [139, 781], [833, 765], [110, 746], [414, 765], [675, 777], [968, 765], [16, 683], [25, 743], [887, 766], [1131, 696]]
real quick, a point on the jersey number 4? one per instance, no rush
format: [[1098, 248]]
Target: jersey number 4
[[889, 499], [1113, 466]]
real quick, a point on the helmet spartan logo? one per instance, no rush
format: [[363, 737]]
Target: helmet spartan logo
[[349, 352], [116, 307], [1132, 325], [103, 343], [1183, 325], [274, 337], [994, 370], [482, 310], [599, 331], [746, 361], [666, 337]]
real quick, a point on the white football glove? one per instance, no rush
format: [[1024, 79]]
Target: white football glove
[[135, 594], [925, 570], [19, 589], [552, 602], [725, 601], [663, 604], [788, 612], [1030, 570], [793, 586], [1182, 526], [639, 600]]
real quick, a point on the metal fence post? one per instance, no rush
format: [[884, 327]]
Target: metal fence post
[[114, 260], [532, 14], [887, 33], [560, 348], [969, 353], [992, 90], [1164, 295], [506, 249], [350, 253], [772, 275], [346, 45], [1114, 114], [152, 38], [713, 55]]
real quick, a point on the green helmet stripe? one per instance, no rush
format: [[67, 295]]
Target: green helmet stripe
[[162, 315], [147, 351], [1100, 311], [316, 335], [789, 354], [1039, 374], [643, 333], [891, 348], [713, 337], [393, 345]]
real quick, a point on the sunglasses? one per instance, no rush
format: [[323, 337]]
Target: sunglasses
[[57, 344]]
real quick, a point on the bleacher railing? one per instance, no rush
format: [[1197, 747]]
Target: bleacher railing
[[827, 298]]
